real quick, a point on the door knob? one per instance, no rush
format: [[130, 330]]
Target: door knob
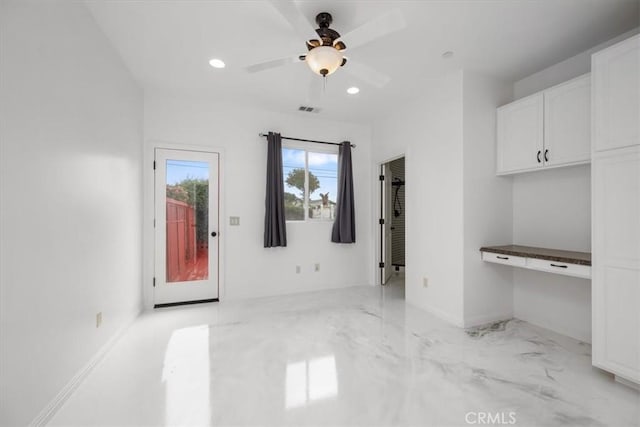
[[214, 234]]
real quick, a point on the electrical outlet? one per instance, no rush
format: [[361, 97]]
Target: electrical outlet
[[425, 282], [98, 319], [298, 269], [234, 220], [316, 267]]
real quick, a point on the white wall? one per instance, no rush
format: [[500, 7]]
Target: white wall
[[552, 209], [429, 132], [71, 147], [250, 269], [454, 202], [488, 288], [562, 71]]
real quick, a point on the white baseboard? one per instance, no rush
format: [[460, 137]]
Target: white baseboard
[[583, 336], [626, 382], [56, 403], [470, 322], [442, 315], [466, 322], [288, 291]]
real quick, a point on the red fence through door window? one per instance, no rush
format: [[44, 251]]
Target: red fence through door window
[[187, 259]]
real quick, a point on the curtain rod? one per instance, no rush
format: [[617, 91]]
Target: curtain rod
[[309, 140]]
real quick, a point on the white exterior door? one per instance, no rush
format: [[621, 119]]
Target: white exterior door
[[186, 226]]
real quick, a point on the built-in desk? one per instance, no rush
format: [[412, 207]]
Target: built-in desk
[[568, 263]]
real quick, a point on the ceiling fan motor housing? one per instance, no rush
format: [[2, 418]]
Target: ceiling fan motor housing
[[324, 19], [327, 35]]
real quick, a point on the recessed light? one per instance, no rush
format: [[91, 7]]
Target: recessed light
[[353, 90], [216, 63], [447, 54]]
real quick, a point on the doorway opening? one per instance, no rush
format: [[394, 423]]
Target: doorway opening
[[392, 223]]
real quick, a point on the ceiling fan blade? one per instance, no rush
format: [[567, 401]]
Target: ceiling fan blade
[[366, 74], [255, 68], [372, 30], [292, 14]]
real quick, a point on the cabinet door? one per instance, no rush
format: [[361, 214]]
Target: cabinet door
[[567, 122], [520, 135], [616, 95], [616, 262]]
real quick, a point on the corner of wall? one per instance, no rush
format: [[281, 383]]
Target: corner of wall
[[488, 202], [429, 132]]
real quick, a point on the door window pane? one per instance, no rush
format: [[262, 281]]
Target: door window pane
[[187, 220]]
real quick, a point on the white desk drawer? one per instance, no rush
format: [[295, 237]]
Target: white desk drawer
[[568, 269], [515, 261]]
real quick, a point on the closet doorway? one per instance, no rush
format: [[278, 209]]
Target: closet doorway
[[392, 221]]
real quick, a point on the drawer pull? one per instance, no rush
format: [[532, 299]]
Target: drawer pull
[[502, 257], [559, 266]]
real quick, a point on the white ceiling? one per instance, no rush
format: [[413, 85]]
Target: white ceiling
[[167, 45]]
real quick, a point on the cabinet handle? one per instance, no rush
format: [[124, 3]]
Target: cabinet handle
[[502, 257], [559, 266], [538, 156], [546, 155]]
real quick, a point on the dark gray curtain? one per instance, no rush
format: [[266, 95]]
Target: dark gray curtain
[[344, 227], [275, 232]]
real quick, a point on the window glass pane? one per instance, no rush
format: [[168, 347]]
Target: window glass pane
[[187, 220], [293, 168], [323, 185]]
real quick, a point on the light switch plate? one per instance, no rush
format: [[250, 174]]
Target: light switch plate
[[234, 220]]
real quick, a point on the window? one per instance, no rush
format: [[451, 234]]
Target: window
[[310, 184]]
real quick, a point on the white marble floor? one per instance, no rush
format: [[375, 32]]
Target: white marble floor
[[356, 356]]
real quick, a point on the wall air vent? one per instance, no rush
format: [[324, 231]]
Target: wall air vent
[[307, 109]]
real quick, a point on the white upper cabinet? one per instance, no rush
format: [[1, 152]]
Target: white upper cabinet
[[548, 129], [567, 123], [520, 134], [616, 95]]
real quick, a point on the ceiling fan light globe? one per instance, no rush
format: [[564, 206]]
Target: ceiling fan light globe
[[324, 60]]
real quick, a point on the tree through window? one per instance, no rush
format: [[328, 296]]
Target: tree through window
[[310, 184]]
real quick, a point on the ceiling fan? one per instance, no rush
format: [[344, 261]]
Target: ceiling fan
[[326, 47]]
